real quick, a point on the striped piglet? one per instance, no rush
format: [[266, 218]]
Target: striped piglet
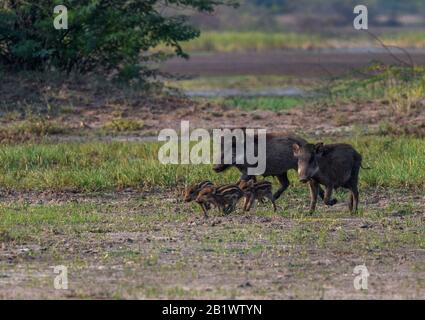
[[224, 197]]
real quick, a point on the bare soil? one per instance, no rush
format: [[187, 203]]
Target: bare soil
[[154, 246], [79, 112], [292, 63]]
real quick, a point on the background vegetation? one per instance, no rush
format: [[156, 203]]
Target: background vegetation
[[102, 34]]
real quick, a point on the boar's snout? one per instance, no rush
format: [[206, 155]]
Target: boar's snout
[[219, 168]]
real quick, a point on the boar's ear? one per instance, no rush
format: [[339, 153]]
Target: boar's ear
[[296, 148], [318, 147]]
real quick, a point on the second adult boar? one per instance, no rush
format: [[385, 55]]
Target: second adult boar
[[279, 159], [332, 165]]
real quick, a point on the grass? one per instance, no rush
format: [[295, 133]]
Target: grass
[[265, 103], [24, 221], [406, 39], [253, 41], [241, 82], [30, 129], [230, 41], [399, 88], [112, 165], [123, 124], [275, 104], [251, 84]]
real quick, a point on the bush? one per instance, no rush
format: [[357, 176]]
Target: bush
[[101, 34]]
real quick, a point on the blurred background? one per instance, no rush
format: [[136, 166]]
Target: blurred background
[[319, 16], [275, 51]]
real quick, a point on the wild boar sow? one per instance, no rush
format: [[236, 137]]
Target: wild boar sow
[[279, 159], [334, 166]]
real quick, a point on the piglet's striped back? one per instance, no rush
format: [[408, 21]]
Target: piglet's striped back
[[203, 184]]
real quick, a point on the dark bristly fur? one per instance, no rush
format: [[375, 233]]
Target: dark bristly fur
[[279, 159], [224, 197], [256, 191], [332, 165]]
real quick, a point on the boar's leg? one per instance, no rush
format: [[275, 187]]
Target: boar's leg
[[350, 201], [270, 197], [245, 203], [328, 194], [322, 195], [204, 209], [314, 190], [251, 201], [354, 199], [227, 209], [283, 179]]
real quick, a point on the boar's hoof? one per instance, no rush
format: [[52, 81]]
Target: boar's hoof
[[228, 210], [332, 202]]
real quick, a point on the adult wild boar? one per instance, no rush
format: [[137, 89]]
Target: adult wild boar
[[333, 165], [279, 159]]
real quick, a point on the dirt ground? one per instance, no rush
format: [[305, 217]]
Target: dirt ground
[[321, 120], [151, 245], [84, 109], [154, 246], [300, 64]]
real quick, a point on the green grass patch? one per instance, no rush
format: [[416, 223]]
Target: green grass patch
[[406, 39], [123, 124], [21, 222], [276, 104], [242, 82], [253, 41], [264, 103], [113, 165], [245, 41], [30, 129], [401, 89], [47, 214]]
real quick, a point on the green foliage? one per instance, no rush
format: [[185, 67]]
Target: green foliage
[[102, 34]]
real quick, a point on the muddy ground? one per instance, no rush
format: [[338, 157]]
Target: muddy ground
[[154, 246], [297, 63]]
